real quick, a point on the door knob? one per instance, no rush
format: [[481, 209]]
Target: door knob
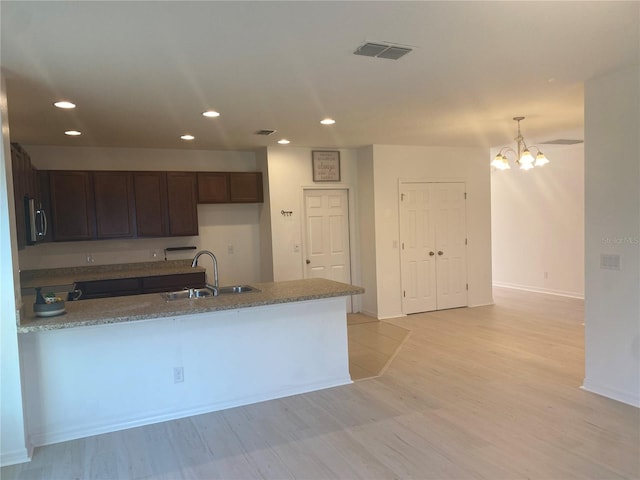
[[431, 254], [308, 261], [440, 252]]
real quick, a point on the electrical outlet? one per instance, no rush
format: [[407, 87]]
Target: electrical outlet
[[178, 374]]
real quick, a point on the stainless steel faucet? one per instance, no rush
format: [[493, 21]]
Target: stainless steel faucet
[[215, 287]]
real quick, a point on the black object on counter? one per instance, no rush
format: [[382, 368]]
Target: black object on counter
[[39, 298], [176, 249]]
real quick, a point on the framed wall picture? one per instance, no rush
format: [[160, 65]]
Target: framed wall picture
[[326, 165]]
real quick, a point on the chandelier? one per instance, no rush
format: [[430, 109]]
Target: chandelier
[[523, 156]]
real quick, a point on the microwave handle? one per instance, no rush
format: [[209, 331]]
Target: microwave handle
[[43, 223]]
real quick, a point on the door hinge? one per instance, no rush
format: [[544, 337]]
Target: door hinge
[[404, 293], [465, 241], [402, 197], [467, 287], [465, 195], [403, 245]]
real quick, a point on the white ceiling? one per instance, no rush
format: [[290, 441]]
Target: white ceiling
[[141, 73]]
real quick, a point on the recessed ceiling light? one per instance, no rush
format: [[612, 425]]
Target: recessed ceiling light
[[73, 133], [187, 137], [211, 113], [284, 141], [328, 121], [64, 104]]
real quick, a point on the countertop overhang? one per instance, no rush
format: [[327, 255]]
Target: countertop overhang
[[132, 308]]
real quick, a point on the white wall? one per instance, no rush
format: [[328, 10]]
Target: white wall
[[220, 226], [13, 447], [289, 174], [392, 164], [537, 223], [612, 217], [367, 231], [266, 243]]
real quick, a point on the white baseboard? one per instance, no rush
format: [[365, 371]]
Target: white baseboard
[[548, 291], [14, 457], [400, 315], [369, 314], [630, 398], [51, 437]]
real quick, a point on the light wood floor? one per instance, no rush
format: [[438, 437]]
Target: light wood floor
[[372, 345], [475, 393]]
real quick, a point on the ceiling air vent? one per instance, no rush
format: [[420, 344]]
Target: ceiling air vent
[[562, 141], [381, 50], [265, 132]]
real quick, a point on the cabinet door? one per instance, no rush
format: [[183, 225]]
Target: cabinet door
[[114, 204], [245, 187], [17, 167], [213, 187], [72, 210], [150, 190], [183, 203]]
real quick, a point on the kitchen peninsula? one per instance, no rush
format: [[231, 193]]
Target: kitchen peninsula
[[115, 363]]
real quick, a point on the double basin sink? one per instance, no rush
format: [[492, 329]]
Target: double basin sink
[[208, 292]]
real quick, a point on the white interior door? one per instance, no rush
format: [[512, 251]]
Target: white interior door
[[433, 246], [451, 244], [327, 244], [417, 248]]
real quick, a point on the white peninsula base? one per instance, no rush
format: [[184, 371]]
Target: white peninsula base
[[90, 380]]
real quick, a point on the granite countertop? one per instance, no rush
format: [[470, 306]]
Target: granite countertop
[[144, 307], [68, 276]]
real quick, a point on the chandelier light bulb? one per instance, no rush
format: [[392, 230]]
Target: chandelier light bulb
[[541, 160], [500, 162], [526, 159]]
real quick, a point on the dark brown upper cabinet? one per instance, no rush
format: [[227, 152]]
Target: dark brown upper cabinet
[[72, 206], [182, 199], [213, 187], [230, 187], [245, 187], [152, 214], [114, 204]]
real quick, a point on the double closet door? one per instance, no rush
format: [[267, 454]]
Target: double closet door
[[433, 241]]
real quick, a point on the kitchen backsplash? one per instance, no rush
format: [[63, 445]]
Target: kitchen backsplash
[[230, 232]]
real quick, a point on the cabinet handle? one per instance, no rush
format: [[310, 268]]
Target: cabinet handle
[[440, 252], [308, 261], [431, 254]]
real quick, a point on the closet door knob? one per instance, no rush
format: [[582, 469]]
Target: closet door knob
[[308, 261], [431, 254], [440, 252]]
